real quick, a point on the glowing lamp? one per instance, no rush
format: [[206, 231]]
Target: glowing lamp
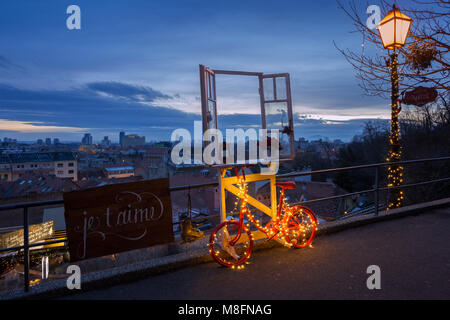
[[394, 29]]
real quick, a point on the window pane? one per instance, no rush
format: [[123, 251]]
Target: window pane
[[277, 118], [281, 88], [211, 115], [211, 95], [268, 89]]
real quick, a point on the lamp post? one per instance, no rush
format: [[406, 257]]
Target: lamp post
[[393, 30]]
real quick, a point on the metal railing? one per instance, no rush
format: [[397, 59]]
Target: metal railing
[[375, 190]]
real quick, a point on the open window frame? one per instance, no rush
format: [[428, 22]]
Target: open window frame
[[274, 94]]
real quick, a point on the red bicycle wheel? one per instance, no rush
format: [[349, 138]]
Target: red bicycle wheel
[[222, 251], [301, 227]]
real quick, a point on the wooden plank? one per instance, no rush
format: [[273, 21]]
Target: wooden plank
[[237, 73], [119, 217]]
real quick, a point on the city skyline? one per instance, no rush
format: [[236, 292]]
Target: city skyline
[[141, 75]]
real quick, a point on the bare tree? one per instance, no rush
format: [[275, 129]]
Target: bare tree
[[424, 58]]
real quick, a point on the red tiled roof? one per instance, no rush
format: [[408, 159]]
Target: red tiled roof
[[35, 183]]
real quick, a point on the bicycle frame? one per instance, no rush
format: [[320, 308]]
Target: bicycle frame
[[281, 205], [292, 226]]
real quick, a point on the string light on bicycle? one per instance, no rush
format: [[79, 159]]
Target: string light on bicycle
[[231, 242]]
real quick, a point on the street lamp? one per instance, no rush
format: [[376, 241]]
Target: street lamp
[[393, 30]]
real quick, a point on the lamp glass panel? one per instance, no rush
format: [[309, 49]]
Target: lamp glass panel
[[387, 33], [402, 31]]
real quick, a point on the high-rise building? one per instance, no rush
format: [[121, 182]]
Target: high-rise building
[[87, 139], [121, 135], [55, 141], [48, 141]]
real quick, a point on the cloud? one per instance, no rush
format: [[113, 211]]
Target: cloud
[[129, 92], [5, 63], [36, 126], [82, 109]]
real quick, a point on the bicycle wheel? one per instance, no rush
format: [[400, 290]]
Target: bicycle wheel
[[222, 251], [301, 227]]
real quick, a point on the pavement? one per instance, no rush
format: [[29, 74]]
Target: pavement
[[413, 254]]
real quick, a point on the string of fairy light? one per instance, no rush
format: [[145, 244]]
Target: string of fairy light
[[277, 229], [395, 172], [242, 194]]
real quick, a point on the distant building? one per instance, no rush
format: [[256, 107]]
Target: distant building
[[151, 163], [87, 139], [106, 143], [66, 165], [119, 171], [131, 140], [121, 135], [59, 164], [9, 140], [40, 142], [302, 145], [56, 141], [48, 141]]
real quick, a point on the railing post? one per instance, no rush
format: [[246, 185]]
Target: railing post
[[26, 251], [376, 189]]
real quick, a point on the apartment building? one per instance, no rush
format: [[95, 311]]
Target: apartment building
[[59, 164], [131, 140]]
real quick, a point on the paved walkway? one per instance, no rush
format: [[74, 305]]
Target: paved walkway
[[413, 254]]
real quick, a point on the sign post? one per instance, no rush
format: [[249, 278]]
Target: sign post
[[420, 96], [117, 218]]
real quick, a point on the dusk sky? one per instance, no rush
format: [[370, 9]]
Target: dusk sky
[[133, 66]]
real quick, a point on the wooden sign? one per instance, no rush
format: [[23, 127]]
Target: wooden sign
[[420, 96], [37, 232], [119, 217]]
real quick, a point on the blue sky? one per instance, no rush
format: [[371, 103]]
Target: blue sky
[[133, 66]]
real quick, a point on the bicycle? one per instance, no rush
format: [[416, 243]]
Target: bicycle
[[231, 242]]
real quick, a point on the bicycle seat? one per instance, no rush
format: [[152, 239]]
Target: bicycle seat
[[286, 184]]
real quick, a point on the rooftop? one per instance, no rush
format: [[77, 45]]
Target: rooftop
[[35, 183], [37, 157], [109, 169]]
